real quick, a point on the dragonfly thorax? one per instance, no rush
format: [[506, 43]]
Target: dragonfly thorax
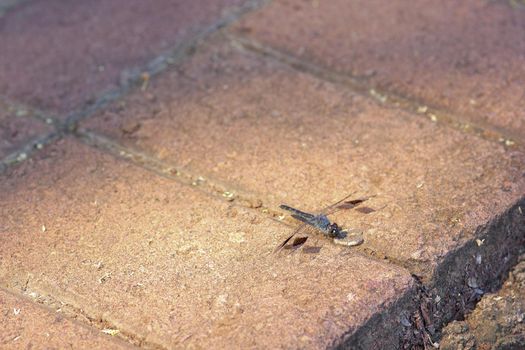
[[328, 228], [323, 223]]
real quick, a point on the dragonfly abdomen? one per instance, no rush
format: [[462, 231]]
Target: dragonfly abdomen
[[296, 211]]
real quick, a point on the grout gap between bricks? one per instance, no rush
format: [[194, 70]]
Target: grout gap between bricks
[[73, 312], [131, 79], [384, 98]]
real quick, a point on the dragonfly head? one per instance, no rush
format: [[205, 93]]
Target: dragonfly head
[[334, 230]]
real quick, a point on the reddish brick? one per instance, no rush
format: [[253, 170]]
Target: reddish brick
[[26, 325], [264, 128], [57, 55], [464, 56], [18, 128], [172, 266]]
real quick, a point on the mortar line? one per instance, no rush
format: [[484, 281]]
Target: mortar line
[[205, 184], [27, 149], [384, 98], [29, 112], [159, 63], [152, 68], [72, 312], [36, 142]]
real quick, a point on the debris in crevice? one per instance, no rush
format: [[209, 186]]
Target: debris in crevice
[[460, 281]]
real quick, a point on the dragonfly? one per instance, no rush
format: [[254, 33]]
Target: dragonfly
[[320, 222]]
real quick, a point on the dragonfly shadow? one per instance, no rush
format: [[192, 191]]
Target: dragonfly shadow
[[307, 249], [300, 242], [311, 249]]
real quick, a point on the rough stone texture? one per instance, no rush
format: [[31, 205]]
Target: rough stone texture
[[172, 266], [497, 322], [26, 325], [17, 128], [464, 56], [263, 128], [57, 55]]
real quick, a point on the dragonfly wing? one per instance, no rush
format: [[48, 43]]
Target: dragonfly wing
[[307, 220], [315, 241], [333, 206], [302, 233], [296, 212], [348, 205], [280, 246], [298, 242]]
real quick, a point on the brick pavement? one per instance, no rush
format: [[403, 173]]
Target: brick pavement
[[143, 196]]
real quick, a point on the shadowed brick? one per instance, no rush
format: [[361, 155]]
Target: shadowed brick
[[463, 56], [172, 266], [290, 138], [58, 55]]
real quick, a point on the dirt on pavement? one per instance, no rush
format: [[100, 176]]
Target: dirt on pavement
[[497, 322]]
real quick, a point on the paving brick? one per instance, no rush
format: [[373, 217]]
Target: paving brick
[[290, 138], [464, 56], [26, 325], [58, 55], [172, 266], [18, 128]]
